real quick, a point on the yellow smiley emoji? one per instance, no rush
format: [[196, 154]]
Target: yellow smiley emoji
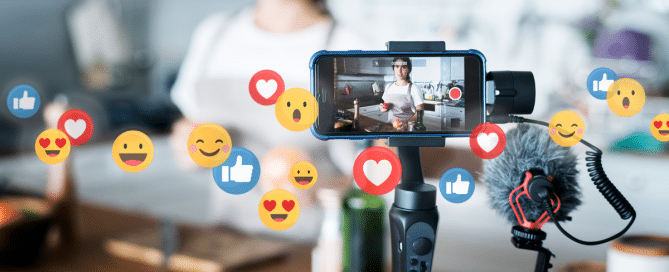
[[659, 127], [209, 145], [296, 109], [278, 209], [566, 128], [303, 175], [52, 146], [626, 97], [132, 151]]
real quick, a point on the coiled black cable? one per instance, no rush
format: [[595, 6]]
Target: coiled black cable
[[598, 177], [605, 186]]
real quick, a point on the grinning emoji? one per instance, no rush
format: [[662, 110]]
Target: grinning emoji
[[52, 146], [659, 127], [626, 97], [209, 145], [132, 151], [296, 109], [303, 175], [566, 128], [278, 209]]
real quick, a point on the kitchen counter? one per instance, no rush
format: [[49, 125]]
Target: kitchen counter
[[433, 102], [372, 119], [471, 235], [372, 112]]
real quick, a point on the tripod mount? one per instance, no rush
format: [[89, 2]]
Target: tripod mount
[[532, 240]]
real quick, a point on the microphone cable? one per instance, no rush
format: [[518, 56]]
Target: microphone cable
[[598, 177]]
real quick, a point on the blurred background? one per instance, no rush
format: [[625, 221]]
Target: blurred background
[[118, 60]]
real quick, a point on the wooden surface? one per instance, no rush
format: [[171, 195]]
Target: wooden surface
[[97, 224], [370, 116], [205, 249]]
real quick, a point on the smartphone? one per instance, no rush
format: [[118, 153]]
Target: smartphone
[[381, 94]]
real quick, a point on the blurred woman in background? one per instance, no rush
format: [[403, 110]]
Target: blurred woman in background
[[212, 87]]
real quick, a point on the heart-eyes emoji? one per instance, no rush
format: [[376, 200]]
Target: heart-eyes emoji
[[52, 146], [659, 127], [279, 217]]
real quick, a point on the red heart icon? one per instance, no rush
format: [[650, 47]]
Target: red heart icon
[[262, 79], [658, 124], [667, 123], [44, 142], [61, 142], [269, 205], [487, 140], [288, 205], [377, 170]]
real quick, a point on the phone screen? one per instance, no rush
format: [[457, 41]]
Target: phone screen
[[387, 95]]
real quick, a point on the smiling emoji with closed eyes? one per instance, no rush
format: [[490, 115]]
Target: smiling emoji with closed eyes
[[566, 128], [209, 145], [626, 97]]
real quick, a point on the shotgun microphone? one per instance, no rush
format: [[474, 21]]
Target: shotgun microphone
[[532, 170], [534, 181], [595, 171], [530, 152]]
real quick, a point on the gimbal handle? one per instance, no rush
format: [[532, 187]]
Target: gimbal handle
[[413, 216]]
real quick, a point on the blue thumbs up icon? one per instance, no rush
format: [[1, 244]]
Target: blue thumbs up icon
[[599, 82], [23, 101]]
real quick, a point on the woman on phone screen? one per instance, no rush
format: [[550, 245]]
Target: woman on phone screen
[[401, 98]]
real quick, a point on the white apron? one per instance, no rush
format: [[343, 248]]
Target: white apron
[[403, 107], [225, 99]]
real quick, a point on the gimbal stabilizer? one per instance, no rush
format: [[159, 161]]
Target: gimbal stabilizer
[[413, 216]]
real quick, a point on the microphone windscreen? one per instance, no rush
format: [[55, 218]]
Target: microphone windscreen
[[527, 147]]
